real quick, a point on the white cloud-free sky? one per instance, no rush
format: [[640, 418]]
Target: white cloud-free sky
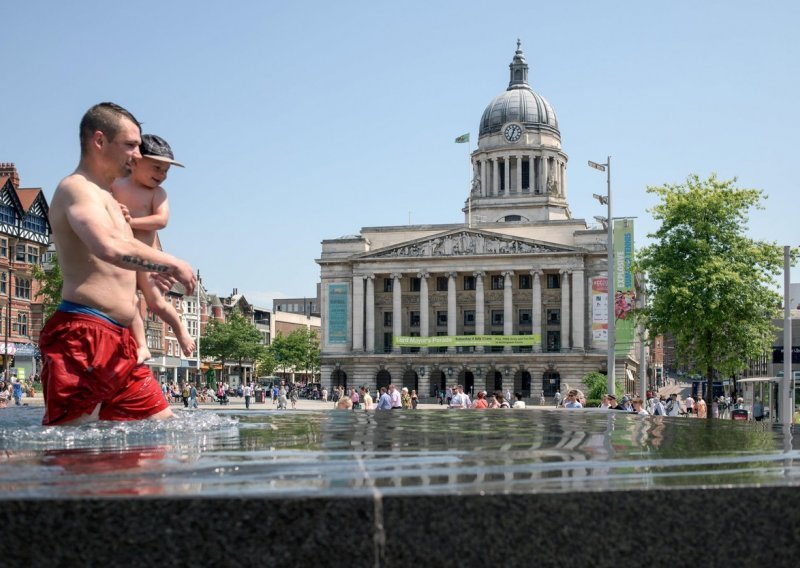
[[302, 121]]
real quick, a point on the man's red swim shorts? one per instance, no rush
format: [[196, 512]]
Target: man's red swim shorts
[[89, 361]]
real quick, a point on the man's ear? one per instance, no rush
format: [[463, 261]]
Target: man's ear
[[98, 139]]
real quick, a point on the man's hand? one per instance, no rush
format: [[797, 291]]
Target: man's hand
[[185, 275], [125, 212]]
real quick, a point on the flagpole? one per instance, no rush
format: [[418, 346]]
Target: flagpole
[[469, 199]]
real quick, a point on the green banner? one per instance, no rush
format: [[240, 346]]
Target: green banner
[[466, 340], [338, 312], [624, 291]]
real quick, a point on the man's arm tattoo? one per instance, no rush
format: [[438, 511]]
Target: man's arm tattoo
[[147, 265]]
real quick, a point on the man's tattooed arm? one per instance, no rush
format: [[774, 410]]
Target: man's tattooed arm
[[144, 264]]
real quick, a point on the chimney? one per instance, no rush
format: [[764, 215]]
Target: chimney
[[235, 291], [10, 170]]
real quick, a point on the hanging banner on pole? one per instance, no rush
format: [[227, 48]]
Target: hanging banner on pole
[[600, 313], [625, 292]]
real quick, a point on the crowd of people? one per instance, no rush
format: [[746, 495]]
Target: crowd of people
[[15, 390]]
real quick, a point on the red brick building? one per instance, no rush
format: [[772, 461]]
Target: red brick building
[[24, 238]]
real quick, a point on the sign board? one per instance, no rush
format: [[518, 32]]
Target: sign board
[[466, 340]]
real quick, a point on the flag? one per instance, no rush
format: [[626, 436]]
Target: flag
[[464, 138]]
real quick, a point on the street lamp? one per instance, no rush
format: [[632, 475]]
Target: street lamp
[[609, 224]]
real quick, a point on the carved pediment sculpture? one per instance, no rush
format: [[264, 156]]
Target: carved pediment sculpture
[[465, 243]]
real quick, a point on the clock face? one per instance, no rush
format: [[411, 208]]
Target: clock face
[[512, 132]]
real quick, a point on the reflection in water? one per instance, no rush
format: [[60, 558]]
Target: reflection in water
[[437, 452]]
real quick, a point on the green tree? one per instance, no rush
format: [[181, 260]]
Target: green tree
[[265, 364], [308, 346], [597, 385], [233, 340], [286, 351], [708, 283], [51, 281]]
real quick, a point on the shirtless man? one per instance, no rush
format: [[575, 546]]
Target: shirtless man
[[90, 369]]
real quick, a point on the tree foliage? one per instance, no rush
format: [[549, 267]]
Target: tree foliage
[[597, 385], [51, 282], [299, 351], [708, 283], [233, 340]]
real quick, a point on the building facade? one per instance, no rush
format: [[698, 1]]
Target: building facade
[[505, 300], [24, 239]]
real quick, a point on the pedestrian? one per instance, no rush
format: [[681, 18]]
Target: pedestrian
[[414, 399], [518, 403], [355, 399], [758, 410], [247, 391], [324, 394], [689, 403], [572, 400], [193, 396], [701, 409], [17, 391], [542, 400], [293, 394], [344, 403], [557, 399], [500, 400], [673, 405], [480, 402], [282, 396], [658, 407], [397, 402], [366, 398], [385, 400], [605, 402], [638, 407], [185, 395], [98, 257]]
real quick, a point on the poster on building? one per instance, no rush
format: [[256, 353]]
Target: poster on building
[[467, 340], [599, 312], [338, 313], [624, 292]]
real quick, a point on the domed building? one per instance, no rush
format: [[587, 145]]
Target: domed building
[[504, 301]]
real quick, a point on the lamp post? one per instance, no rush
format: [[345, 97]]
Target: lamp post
[[606, 200]]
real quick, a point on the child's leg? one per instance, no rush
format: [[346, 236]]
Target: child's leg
[[137, 330], [166, 312]]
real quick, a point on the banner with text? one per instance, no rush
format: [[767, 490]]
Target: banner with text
[[624, 291], [467, 340], [600, 313], [338, 312]]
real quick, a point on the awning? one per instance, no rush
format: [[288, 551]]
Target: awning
[[26, 350], [12, 349]]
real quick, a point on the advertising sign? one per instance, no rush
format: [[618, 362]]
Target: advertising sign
[[624, 292], [600, 313], [338, 313], [466, 340]]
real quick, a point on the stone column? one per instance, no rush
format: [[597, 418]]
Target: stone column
[[545, 173], [480, 324], [495, 176], [519, 173], [564, 181], [484, 178], [507, 169], [578, 302], [397, 308], [537, 325], [370, 313], [508, 306], [424, 309], [565, 310], [358, 313], [452, 318]]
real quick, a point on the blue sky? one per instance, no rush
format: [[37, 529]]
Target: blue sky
[[304, 121]]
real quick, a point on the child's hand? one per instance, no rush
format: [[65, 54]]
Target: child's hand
[[125, 212]]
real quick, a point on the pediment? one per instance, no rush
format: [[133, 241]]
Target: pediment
[[467, 242]]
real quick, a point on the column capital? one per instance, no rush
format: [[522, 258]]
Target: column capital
[[565, 271], [370, 276], [423, 274], [396, 275], [507, 273], [536, 272], [479, 274], [452, 274]]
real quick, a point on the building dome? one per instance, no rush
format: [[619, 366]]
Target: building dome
[[519, 103]]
